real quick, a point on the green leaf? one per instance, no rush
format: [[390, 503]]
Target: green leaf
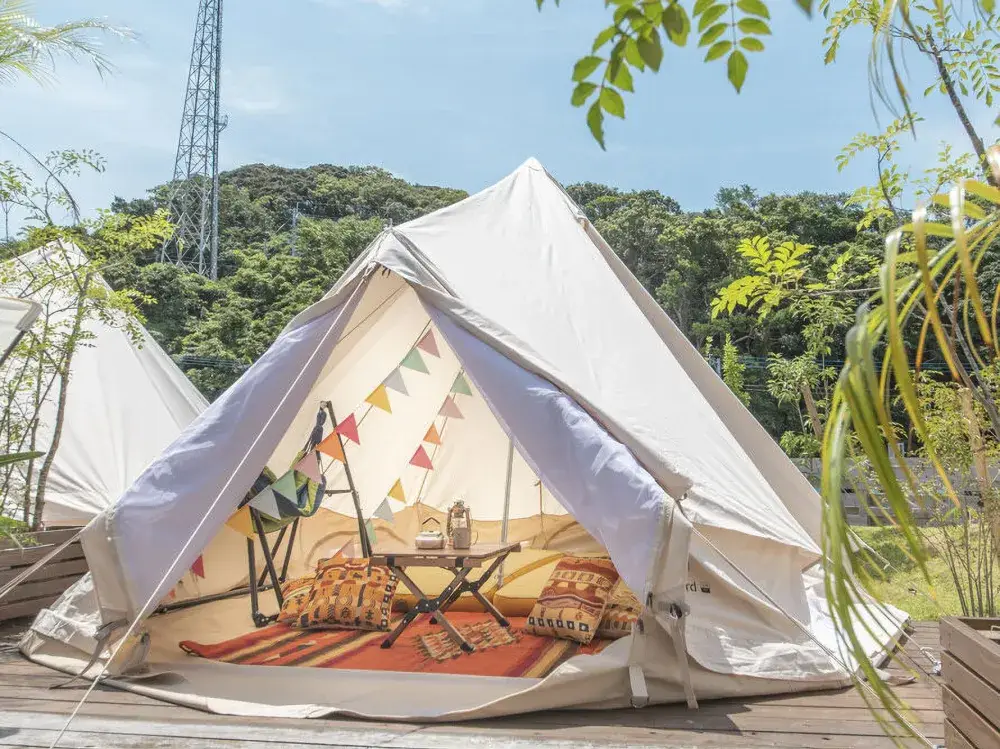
[[712, 34], [19, 457], [604, 37], [595, 121], [582, 92], [718, 49], [737, 69], [632, 55], [710, 16], [612, 103], [701, 6], [806, 5], [754, 8], [752, 44], [753, 26], [623, 79], [585, 66], [676, 23], [651, 50]]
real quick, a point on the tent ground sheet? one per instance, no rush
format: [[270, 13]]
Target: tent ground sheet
[[424, 647]]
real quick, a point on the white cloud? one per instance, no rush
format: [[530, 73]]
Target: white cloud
[[254, 91]]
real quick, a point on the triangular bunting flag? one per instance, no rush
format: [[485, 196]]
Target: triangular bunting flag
[[384, 512], [428, 344], [287, 507], [461, 385], [331, 446], [241, 522], [370, 530], [396, 492], [415, 362], [450, 409], [285, 486], [309, 466], [266, 503], [349, 428], [380, 399], [432, 436], [421, 459], [395, 382], [198, 568]]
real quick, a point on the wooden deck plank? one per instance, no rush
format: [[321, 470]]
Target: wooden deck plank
[[31, 714]]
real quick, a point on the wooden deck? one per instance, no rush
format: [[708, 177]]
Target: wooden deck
[[31, 715]]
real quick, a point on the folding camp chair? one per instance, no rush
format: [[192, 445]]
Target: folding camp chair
[[309, 496]]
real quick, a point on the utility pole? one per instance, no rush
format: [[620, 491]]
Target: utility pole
[[194, 203]]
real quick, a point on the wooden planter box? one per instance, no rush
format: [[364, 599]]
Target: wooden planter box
[[46, 585], [970, 667]]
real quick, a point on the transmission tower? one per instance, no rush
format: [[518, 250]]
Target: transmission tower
[[194, 203]]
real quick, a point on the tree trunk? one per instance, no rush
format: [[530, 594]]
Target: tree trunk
[[959, 107], [64, 375], [814, 419], [981, 466]]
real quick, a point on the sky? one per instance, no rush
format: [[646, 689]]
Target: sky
[[456, 93]]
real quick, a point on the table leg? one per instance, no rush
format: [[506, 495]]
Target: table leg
[[474, 586], [435, 607]]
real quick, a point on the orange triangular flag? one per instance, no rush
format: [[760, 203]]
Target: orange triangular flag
[[331, 446], [428, 344], [450, 409], [421, 459], [432, 436], [396, 492], [380, 399], [349, 428]]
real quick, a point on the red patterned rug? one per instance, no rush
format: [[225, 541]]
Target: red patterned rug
[[423, 647]]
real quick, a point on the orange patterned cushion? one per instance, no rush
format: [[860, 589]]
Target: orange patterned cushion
[[622, 611], [573, 600], [295, 593], [349, 594]]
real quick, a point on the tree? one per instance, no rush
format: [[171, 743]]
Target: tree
[[30, 49], [956, 39], [929, 292]]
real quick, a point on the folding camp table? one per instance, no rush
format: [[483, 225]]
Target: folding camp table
[[461, 562]]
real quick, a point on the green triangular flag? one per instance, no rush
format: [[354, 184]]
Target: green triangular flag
[[370, 530], [285, 487], [415, 362], [461, 385]]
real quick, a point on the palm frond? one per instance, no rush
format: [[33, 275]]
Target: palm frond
[[947, 256], [29, 49]]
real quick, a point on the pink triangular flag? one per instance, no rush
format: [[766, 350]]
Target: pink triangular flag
[[309, 465], [198, 568], [349, 428], [450, 409], [428, 344], [421, 459]]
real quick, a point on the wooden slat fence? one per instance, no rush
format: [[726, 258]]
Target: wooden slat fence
[[48, 583]]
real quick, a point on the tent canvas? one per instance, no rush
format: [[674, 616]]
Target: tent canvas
[[591, 425], [126, 399]]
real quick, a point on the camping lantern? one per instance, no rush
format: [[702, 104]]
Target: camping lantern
[[459, 526]]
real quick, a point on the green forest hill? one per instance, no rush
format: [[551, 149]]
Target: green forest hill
[[683, 258]]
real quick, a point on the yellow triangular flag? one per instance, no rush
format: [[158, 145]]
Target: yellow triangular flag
[[380, 399], [396, 492], [241, 522]]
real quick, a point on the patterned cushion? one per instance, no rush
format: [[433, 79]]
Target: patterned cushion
[[622, 611], [295, 594], [349, 594], [573, 600]]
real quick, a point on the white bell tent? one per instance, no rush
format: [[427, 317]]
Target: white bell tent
[[126, 400], [567, 411]]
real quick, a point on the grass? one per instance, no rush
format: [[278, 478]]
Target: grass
[[11, 529], [903, 584]]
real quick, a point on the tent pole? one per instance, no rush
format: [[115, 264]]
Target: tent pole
[[366, 544], [506, 503]]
